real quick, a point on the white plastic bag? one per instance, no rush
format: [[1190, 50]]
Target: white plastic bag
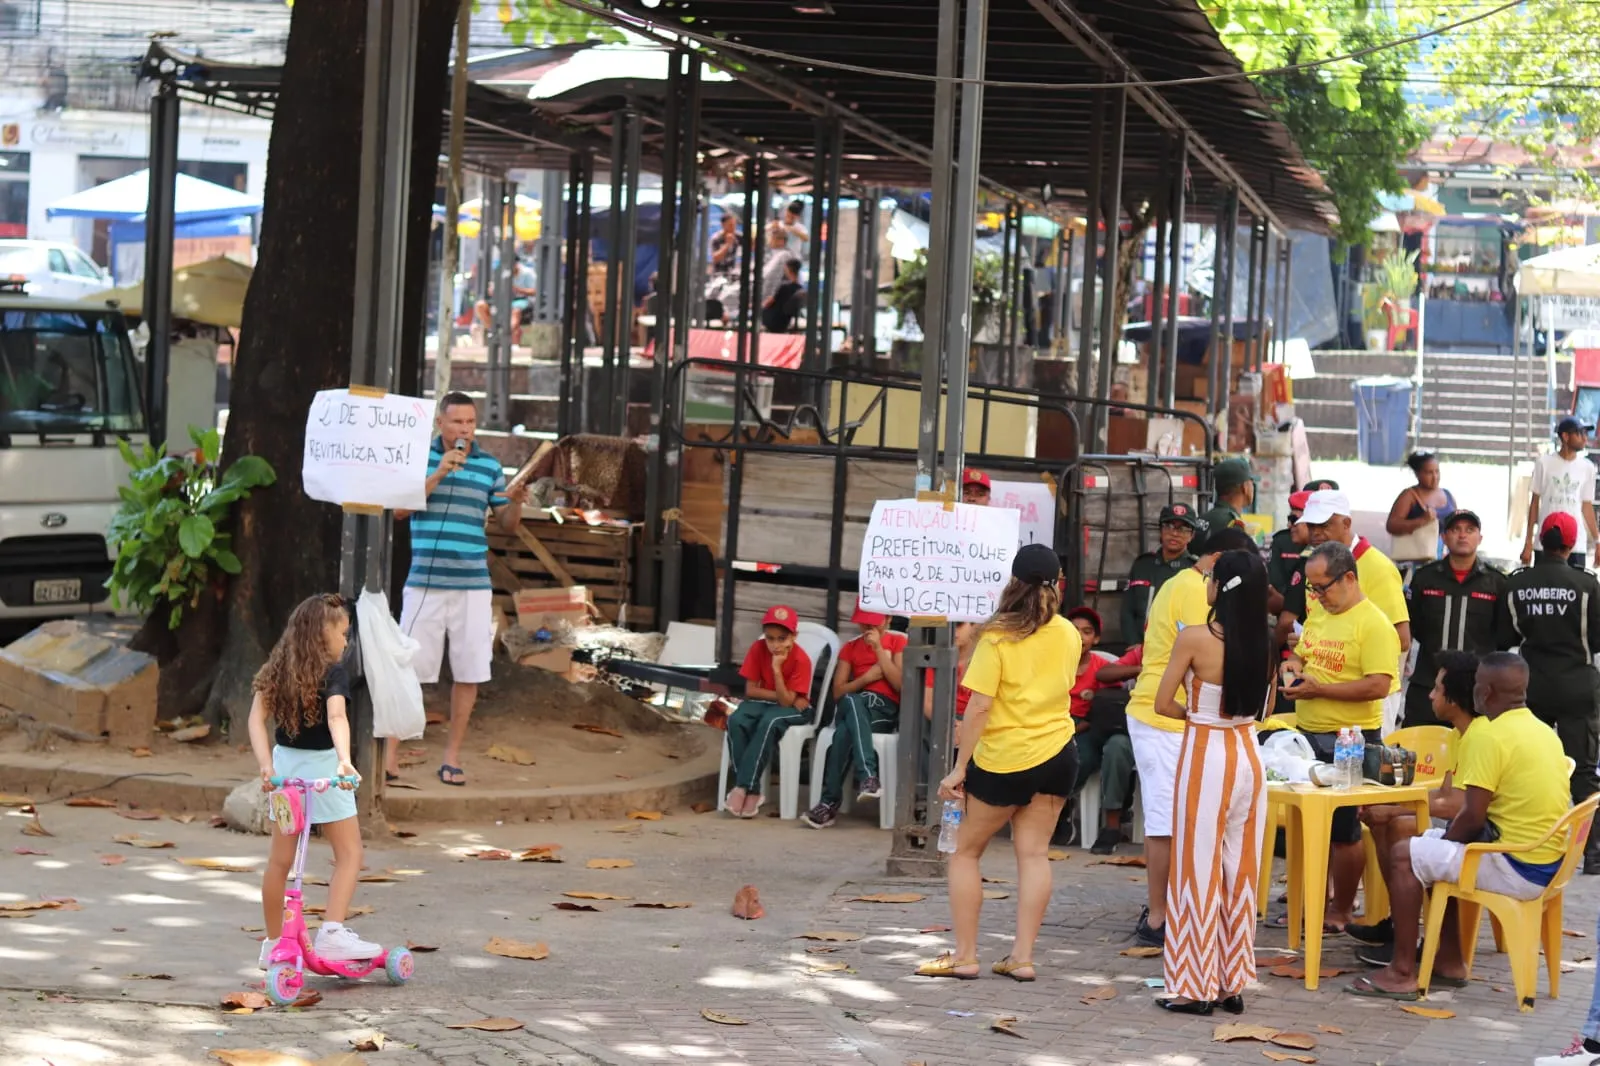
[[386, 655], [1289, 754]]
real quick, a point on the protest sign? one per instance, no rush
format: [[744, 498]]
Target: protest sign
[[367, 449], [920, 559], [1036, 507]]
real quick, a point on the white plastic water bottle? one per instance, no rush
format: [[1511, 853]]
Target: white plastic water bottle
[[1341, 760], [949, 825], [1358, 758]]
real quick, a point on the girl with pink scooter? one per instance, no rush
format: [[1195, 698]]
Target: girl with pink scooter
[[302, 694]]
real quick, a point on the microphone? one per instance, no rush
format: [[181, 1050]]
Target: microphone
[[461, 444]]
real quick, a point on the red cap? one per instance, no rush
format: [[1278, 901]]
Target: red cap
[[864, 617], [1567, 524], [975, 477], [1089, 614], [1297, 500], [782, 616]]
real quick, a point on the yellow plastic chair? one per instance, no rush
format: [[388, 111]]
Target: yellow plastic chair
[[1276, 722], [1523, 926], [1435, 746]]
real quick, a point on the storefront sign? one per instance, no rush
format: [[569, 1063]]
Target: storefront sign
[[367, 450], [936, 560], [53, 135]]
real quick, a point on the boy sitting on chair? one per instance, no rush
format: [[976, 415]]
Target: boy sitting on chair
[[866, 700], [777, 694]]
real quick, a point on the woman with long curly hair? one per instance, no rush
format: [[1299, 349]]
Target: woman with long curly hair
[[302, 694], [1016, 762], [1221, 793]]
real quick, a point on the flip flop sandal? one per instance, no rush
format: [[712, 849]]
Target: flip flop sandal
[[446, 768], [1008, 968], [945, 966], [1449, 982], [1363, 986]]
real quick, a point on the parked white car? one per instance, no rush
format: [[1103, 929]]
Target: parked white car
[[52, 269]]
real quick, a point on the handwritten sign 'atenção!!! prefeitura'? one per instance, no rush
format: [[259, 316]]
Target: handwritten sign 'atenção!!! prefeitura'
[[920, 559], [369, 450]]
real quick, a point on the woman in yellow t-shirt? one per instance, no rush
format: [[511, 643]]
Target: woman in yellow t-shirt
[[1017, 762]]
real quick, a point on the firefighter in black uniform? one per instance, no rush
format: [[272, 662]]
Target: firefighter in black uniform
[[1151, 570], [1554, 612], [1458, 603]]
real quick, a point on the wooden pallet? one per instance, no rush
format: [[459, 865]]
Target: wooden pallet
[[547, 554]]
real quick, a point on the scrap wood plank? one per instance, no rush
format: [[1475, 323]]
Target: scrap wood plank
[[537, 547], [502, 574]]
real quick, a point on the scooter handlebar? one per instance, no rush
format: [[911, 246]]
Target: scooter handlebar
[[320, 784]]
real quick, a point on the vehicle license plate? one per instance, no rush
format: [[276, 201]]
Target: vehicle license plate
[[62, 590]]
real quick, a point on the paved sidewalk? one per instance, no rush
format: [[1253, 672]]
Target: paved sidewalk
[[628, 985]]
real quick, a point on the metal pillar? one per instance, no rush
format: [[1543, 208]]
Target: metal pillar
[[497, 375], [1281, 332], [625, 203], [445, 335], [158, 237], [816, 300], [547, 301], [1214, 350], [575, 292], [1110, 313], [864, 292], [830, 251], [378, 313], [1175, 277], [1222, 367], [1252, 310], [1091, 251], [1158, 291], [910, 852], [1263, 297], [1061, 328], [939, 234]]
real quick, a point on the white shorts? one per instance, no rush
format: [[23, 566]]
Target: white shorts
[[1155, 754], [1433, 858], [465, 617]]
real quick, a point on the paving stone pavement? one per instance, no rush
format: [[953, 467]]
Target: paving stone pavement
[[628, 986]]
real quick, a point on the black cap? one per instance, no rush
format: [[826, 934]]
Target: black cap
[[1318, 484], [1181, 513], [1461, 514], [1573, 425], [1036, 564]]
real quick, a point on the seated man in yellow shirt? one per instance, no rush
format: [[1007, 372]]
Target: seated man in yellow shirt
[[1510, 791], [1342, 669]]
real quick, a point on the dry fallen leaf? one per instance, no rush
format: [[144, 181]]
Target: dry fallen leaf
[[219, 864], [147, 977], [489, 1025], [1120, 860], [34, 829], [890, 897], [137, 841], [421, 948], [1576, 934], [370, 1042], [194, 732], [90, 801], [568, 905], [747, 904], [113, 860], [492, 854], [36, 905], [139, 816], [510, 753], [1004, 1025], [252, 1000], [998, 881], [934, 929], [377, 879], [1284, 1056], [238, 1010], [517, 949], [721, 1019], [831, 936], [663, 905], [183, 818], [9, 800], [28, 851], [142, 753], [1140, 953], [1427, 1012], [1057, 855], [309, 998], [1298, 1041], [702, 808], [603, 730], [1267, 962], [547, 853], [645, 816], [593, 895], [1298, 973], [995, 893], [257, 1057], [1099, 995], [609, 864], [1334, 1029], [16, 914], [352, 912], [1242, 1031], [819, 950]]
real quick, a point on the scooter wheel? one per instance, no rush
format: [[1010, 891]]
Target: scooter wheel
[[399, 965], [283, 984]]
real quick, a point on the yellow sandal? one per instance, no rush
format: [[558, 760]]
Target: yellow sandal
[[945, 966], [1008, 968]]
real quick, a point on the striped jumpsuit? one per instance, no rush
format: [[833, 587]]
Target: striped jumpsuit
[[1219, 803]]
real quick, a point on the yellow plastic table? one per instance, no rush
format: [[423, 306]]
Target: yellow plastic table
[[1307, 812]]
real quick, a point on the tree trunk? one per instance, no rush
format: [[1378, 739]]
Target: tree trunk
[[296, 337]]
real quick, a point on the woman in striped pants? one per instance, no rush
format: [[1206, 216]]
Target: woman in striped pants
[[1220, 798]]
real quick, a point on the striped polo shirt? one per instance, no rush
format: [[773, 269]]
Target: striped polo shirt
[[448, 547]]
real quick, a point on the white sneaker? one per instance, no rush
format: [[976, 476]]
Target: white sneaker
[[341, 944], [1573, 1056]]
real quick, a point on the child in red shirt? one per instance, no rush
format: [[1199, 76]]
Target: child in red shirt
[[866, 695], [777, 674], [1101, 748]]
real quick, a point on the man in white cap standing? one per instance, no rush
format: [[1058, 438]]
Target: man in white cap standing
[[1327, 518]]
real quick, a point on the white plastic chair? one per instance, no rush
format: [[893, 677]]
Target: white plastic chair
[[1089, 812], [815, 640], [887, 745]]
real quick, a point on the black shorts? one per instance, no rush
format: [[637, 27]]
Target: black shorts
[[1346, 820], [1053, 777], [1419, 707]]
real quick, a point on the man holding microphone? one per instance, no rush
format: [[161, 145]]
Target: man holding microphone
[[448, 596]]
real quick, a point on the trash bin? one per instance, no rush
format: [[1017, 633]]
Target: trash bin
[[1383, 419]]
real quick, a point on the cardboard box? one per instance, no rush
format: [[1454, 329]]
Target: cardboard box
[[1192, 383], [540, 608], [555, 660]]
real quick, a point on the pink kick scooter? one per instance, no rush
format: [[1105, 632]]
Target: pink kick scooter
[[293, 954]]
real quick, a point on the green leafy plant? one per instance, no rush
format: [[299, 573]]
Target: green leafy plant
[[1397, 278], [910, 289], [550, 22], [170, 547]]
